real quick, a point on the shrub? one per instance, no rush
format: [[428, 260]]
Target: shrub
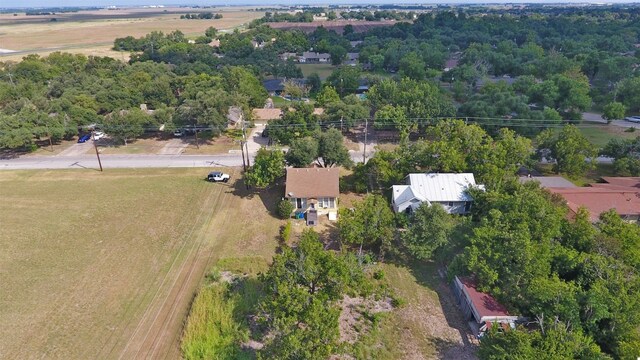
[[378, 274], [285, 234], [285, 208]]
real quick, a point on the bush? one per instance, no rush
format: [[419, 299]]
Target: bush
[[378, 274], [285, 208], [285, 233]]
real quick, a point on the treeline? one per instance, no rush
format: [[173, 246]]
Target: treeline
[[235, 49], [202, 16], [599, 44], [51, 97]]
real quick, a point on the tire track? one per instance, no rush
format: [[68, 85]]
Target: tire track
[[174, 294], [131, 309]]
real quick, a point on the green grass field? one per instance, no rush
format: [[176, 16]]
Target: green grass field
[[102, 265], [600, 135], [323, 70]]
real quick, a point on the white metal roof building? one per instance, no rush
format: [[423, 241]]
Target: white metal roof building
[[450, 190]]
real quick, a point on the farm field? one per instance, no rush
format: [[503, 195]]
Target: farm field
[[93, 32], [104, 265]]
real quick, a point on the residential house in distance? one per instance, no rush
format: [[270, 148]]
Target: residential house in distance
[[449, 190], [275, 87], [311, 57], [352, 59], [313, 192], [549, 181], [619, 193]]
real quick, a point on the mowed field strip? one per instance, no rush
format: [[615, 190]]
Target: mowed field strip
[[104, 265], [94, 35]]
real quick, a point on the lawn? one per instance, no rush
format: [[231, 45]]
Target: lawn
[[600, 134], [105, 265], [323, 70]]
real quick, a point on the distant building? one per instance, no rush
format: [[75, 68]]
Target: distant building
[[314, 57], [449, 190], [276, 86], [619, 193], [549, 181]]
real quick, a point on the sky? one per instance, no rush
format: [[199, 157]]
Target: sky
[[62, 3]]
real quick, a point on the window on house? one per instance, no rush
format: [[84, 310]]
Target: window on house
[[450, 203], [332, 202], [299, 203]]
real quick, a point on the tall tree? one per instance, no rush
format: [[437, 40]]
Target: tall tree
[[268, 166], [370, 223], [429, 230], [331, 149]]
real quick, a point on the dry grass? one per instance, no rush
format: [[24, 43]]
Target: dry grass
[[92, 262], [427, 326], [94, 35], [219, 145]]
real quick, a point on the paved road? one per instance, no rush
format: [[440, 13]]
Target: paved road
[[128, 161], [120, 161]]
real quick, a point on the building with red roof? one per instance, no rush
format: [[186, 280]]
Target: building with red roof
[[619, 193], [478, 305]]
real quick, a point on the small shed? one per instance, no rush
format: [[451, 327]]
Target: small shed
[[478, 305]]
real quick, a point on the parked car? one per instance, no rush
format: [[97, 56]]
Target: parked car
[[178, 133], [97, 135], [633, 119], [84, 138], [218, 176]]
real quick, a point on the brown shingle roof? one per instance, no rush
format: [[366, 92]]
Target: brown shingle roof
[[266, 114], [312, 182]]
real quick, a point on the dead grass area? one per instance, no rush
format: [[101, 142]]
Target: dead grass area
[[356, 314], [105, 264], [351, 145], [427, 326], [219, 145], [386, 146], [138, 146], [98, 33]]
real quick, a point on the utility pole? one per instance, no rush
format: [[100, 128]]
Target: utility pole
[[341, 117], [366, 130], [197, 143], [93, 137], [244, 137], [244, 164], [243, 147]]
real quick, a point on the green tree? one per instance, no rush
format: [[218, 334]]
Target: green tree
[[370, 223], [412, 66], [614, 111], [429, 230], [574, 154], [327, 95], [338, 54], [331, 149], [301, 287], [314, 83], [302, 152], [125, 125], [345, 79], [345, 113], [285, 208], [268, 166]]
